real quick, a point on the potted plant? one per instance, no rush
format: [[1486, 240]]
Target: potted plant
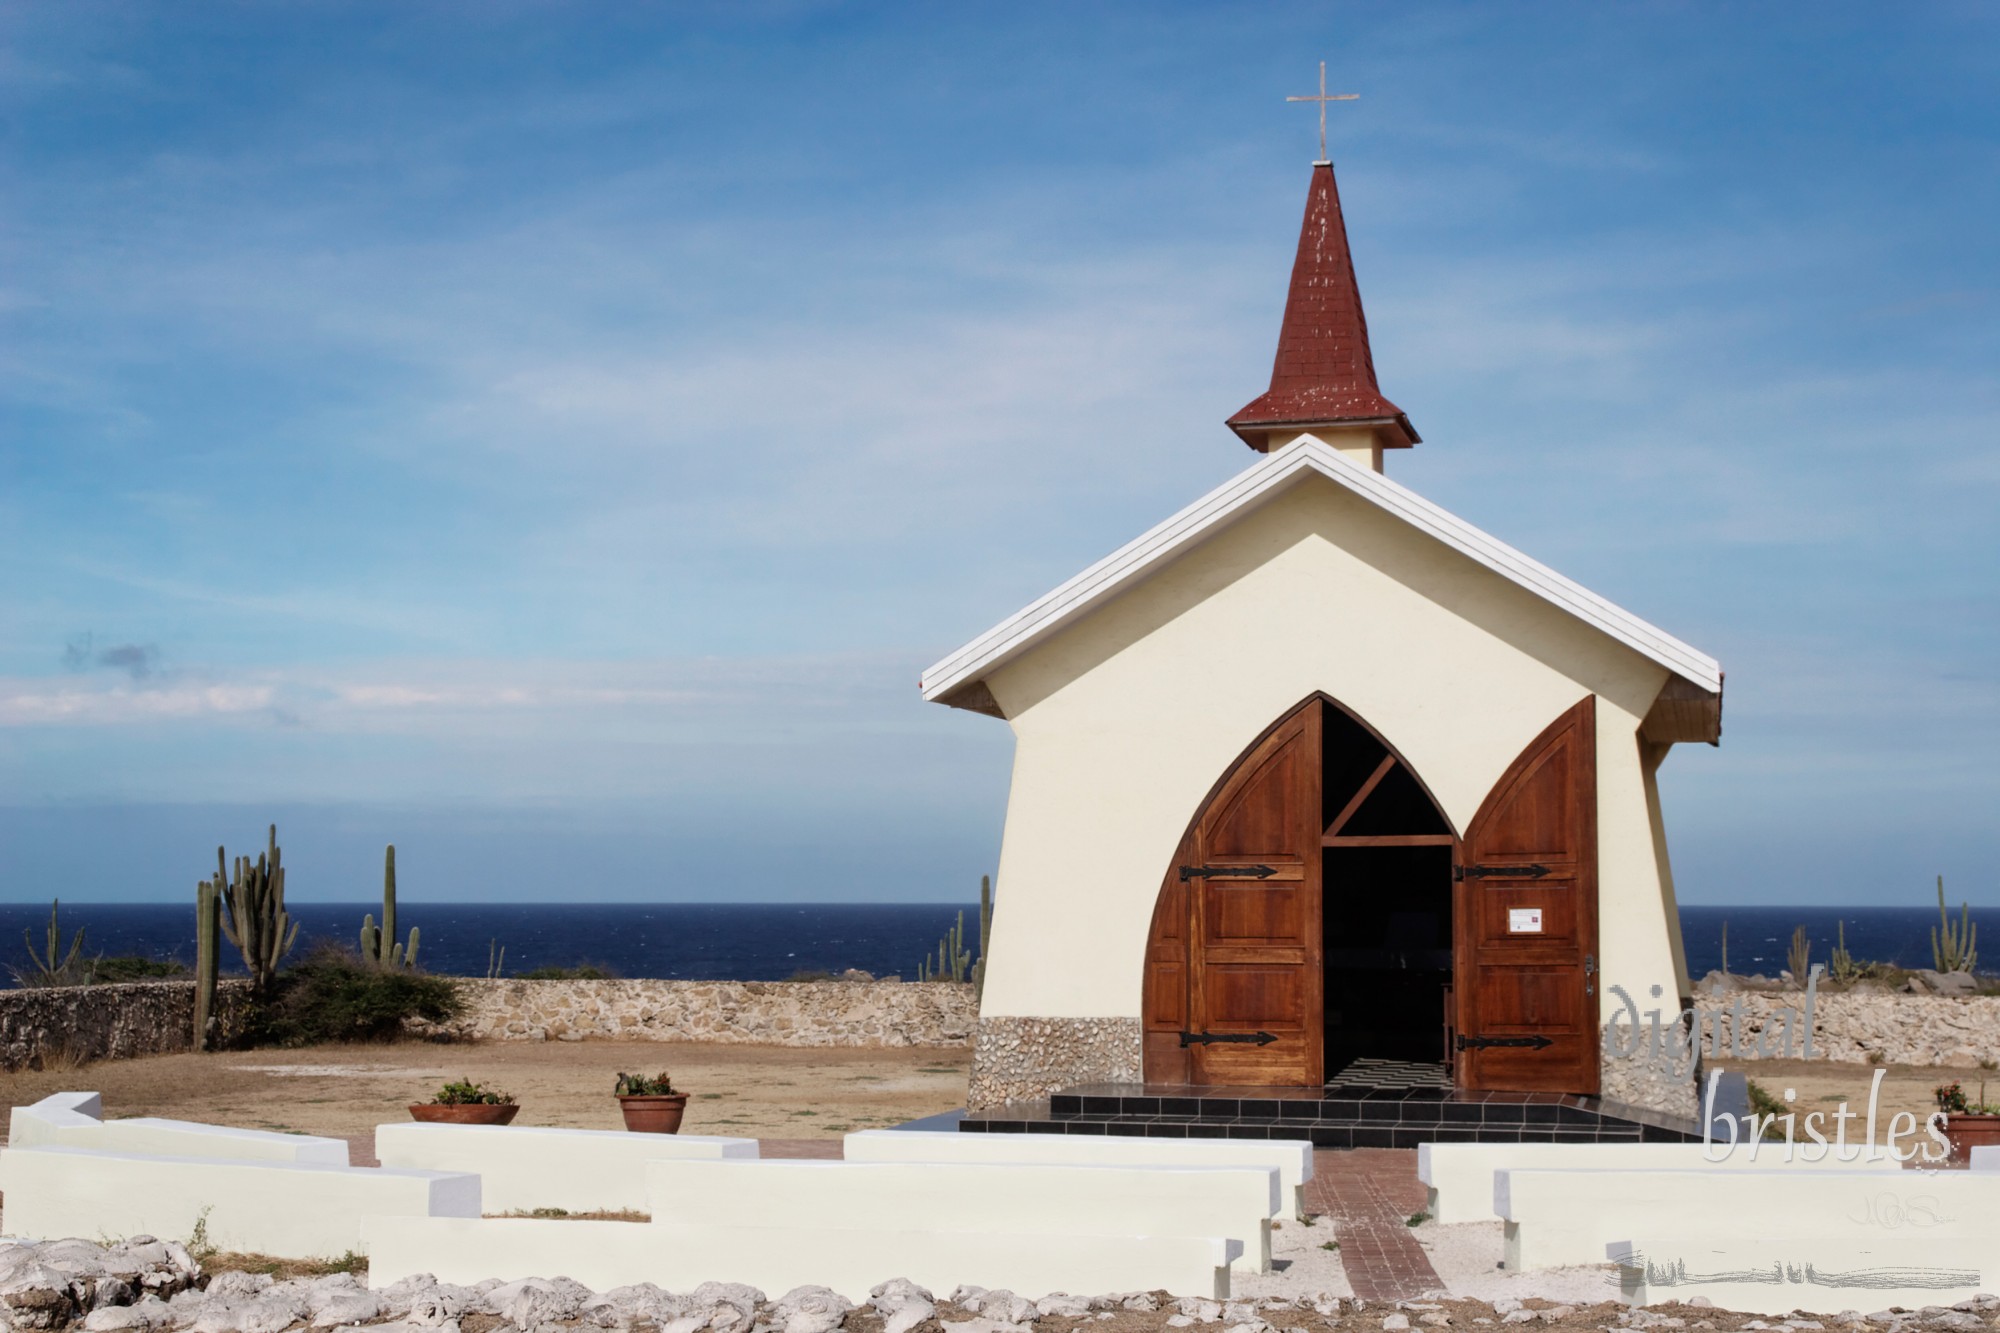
[[650, 1104], [1967, 1124], [467, 1103]]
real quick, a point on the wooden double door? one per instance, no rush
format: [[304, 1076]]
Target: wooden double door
[[1261, 893]]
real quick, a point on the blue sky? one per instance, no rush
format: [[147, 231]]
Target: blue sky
[[554, 437]]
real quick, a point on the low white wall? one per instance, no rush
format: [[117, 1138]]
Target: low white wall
[[1461, 1175], [75, 1120], [1557, 1218], [288, 1209], [1236, 1203], [1291, 1158], [1818, 1276], [522, 1168], [604, 1255]]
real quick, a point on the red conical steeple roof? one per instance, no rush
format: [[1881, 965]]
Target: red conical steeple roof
[[1324, 374]]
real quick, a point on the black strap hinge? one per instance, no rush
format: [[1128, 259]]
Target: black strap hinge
[[1534, 1043], [1208, 1038], [1226, 872], [1535, 871]]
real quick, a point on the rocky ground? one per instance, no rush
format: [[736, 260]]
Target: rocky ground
[[150, 1286]]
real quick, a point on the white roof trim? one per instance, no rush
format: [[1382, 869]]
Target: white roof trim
[[1259, 482]]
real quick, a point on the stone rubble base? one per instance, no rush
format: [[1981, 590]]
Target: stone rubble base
[[148, 1286]]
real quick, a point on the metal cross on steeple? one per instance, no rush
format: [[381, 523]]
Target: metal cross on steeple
[[1323, 98]]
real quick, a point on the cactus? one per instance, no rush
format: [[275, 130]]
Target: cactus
[[1799, 957], [378, 944], [985, 933], [207, 960], [1725, 948], [1842, 964], [953, 963], [496, 958], [1952, 947], [256, 921], [51, 965]]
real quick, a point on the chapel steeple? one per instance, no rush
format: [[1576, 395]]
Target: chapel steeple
[[1323, 381]]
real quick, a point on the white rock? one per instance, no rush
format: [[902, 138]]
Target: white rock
[[115, 1319], [230, 1286], [1506, 1305], [1393, 1322], [1061, 1305], [1180, 1320], [1141, 1300], [811, 1310], [345, 1307]]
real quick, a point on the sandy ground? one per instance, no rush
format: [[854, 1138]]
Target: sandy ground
[[1821, 1085], [345, 1091]]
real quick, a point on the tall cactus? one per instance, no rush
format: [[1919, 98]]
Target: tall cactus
[[1952, 946], [378, 944], [50, 965], [985, 934], [256, 921], [207, 960]]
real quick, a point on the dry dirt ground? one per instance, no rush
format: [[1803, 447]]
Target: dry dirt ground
[[345, 1091], [1821, 1085]]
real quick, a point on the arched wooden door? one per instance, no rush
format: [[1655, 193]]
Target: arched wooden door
[[1525, 950], [1232, 991]]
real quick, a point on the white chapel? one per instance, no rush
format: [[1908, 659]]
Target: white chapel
[[1315, 772]]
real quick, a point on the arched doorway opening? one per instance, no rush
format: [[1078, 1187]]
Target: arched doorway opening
[[1307, 919]]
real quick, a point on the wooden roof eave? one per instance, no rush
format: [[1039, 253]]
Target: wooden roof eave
[[1684, 711]]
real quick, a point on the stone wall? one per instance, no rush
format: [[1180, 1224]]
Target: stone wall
[[772, 1013], [1862, 1027], [58, 1026], [1026, 1059]]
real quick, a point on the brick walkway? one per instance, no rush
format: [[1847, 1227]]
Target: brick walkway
[[1371, 1193]]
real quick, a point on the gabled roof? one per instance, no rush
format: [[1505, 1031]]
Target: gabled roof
[[1324, 373], [958, 678]]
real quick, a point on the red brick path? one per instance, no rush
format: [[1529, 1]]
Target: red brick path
[[1371, 1193]]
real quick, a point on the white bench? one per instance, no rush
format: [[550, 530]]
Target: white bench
[[792, 1252], [1292, 1158], [1819, 1276], [1556, 1218], [76, 1120], [293, 1210], [1235, 1203], [1460, 1176], [523, 1168]]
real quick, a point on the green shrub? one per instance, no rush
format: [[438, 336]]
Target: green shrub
[[131, 967], [467, 1093], [334, 996], [581, 972], [642, 1085]]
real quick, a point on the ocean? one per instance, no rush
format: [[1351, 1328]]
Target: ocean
[[689, 941], [773, 941]]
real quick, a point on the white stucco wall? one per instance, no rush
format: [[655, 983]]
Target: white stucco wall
[[1125, 719]]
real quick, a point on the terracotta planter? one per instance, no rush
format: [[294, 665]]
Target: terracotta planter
[[1967, 1131], [477, 1113], [654, 1115]]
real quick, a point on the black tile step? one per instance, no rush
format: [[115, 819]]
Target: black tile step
[[1386, 1110], [1321, 1133]]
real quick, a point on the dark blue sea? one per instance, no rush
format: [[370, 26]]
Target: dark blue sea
[[690, 941], [773, 941], [1760, 936]]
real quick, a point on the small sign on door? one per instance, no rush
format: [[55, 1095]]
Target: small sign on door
[[1524, 921]]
